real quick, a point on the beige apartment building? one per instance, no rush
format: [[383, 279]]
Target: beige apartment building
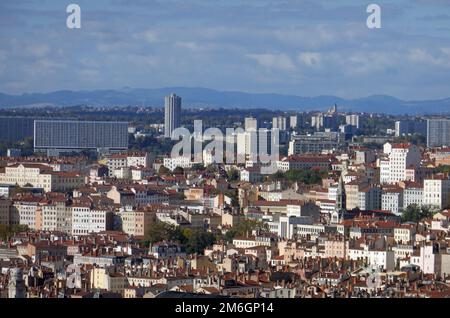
[[336, 247], [136, 223], [105, 279], [40, 176], [25, 211], [352, 194], [55, 216], [436, 192]]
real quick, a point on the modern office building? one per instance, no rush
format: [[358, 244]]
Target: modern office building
[[410, 127], [438, 132], [316, 143], [14, 129], [71, 135], [172, 114]]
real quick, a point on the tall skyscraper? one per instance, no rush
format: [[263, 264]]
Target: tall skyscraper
[[251, 123], [352, 120], [279, 122], [438, 132], [329, 120], [172, 116], [293, 121]]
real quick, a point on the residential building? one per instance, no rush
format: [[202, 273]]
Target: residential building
[[300, 162], [136, 222], [400, 157], [392, 200], [40, 176], [436, 192], [131, 159], [316, 143], [413, 194], [86, 221]]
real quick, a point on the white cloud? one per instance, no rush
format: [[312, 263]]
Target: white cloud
[[150, 36], [15, 86], [112, 47], [143, 60], [311, 59], [48, 66], [188, 45], [38, 50], [274, 61], [423, 56], [89, 75]]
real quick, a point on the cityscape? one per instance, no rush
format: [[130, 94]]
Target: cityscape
[[189, 193]]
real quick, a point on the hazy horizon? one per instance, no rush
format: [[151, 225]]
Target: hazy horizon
[[218, 90]]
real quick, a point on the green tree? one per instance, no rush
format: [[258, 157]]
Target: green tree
[[4, 232], [245, 228], [7, 231], [415, 213], [233, 175], [163, 170], [160, 231], [277, 176], [212, 169], [198, 240], [310, 176], [198, 167], [442, 169], [195, 241], [178, 170]]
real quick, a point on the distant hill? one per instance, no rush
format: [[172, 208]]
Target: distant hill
[[195, 97]]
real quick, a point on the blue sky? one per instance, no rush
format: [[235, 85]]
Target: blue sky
[[299, 47]]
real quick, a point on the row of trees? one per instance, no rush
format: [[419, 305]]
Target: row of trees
[[415, 213], [26, 146], [7, 231], [196, 240], [442, 169], [151, 145], [310, 176], [244, 228]]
